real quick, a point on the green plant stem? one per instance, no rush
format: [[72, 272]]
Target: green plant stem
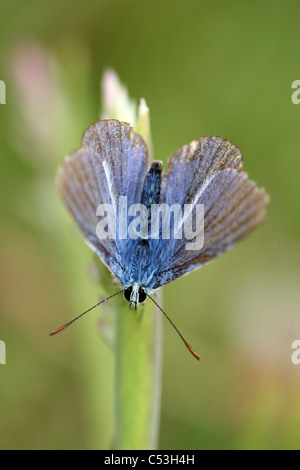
[[138, 344], [138, 377]]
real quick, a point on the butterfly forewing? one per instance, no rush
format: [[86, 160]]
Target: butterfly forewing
[[111, 162], [233, 205], [192, 166]]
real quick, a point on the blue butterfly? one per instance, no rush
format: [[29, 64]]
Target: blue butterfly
[[113, 162]]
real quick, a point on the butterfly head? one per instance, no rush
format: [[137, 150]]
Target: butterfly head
[[135, 294]]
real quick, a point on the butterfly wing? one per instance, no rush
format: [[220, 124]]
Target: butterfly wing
[[209, 172], [111, 162]]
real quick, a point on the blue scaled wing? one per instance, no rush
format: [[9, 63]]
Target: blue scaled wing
[[209, 172], [111, 162]]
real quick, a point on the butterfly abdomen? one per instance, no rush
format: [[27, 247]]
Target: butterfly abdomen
[[152, 184]]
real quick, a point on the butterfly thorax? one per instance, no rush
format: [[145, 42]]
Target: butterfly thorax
[[138, 272]]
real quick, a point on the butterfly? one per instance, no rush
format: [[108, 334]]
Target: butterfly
[[112, 162]]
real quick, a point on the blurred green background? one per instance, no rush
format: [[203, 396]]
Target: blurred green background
[[205, 68]]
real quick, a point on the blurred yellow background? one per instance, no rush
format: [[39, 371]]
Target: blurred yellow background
[[205, 68]]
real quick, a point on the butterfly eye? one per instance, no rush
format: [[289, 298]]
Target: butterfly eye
[[127, 294], [142, 296]]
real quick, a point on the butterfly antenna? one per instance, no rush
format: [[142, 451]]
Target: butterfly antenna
[[176, 329], [79, 316]]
